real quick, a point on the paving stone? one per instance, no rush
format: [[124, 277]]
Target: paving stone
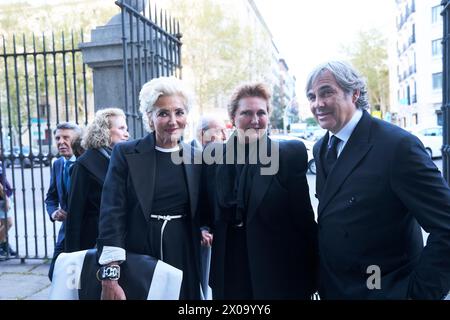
[[18, 286], [41, 295], [14, 265], [41, 269]]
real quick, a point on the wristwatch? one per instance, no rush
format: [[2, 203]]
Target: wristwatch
[[111, 272]]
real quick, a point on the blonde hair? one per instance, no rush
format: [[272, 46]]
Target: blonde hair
[[162, 86], [97, 133]]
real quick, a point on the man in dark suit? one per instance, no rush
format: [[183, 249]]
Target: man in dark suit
[[376, 187], [56, 200]]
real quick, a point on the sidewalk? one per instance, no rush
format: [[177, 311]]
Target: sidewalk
[[24, 281]]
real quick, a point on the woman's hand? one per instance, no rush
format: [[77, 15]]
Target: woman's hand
[[111, 290], [207, 238]]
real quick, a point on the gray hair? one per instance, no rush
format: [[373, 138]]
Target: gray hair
[[162, 86], [204, 124], [347, 78], [97, 133], [68, 126]]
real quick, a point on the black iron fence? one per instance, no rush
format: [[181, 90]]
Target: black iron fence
[[151, 48], [43, 81], [446, 89]]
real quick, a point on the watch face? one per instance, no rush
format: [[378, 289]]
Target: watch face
[[109, 273]]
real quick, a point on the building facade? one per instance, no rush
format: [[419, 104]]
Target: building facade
[[416, 63]]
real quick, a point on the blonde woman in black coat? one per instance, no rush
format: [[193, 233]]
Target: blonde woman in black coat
[[88, 175]]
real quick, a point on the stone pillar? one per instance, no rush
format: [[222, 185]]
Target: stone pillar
[[104, 55]]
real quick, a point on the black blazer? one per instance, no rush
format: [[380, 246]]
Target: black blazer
[[128, 192], [281, 231], [87, 178], [383, 185], [57, 196]]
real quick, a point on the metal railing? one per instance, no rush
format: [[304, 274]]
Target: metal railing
[[43, 81], [151, 48]]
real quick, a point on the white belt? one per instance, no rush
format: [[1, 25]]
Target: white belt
[[166, 219]]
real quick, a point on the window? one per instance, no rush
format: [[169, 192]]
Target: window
[[436, 47], [436, 14], [440, 117], [415, 118], [408, 95], [414, 92], [437, 81], [432, 132]]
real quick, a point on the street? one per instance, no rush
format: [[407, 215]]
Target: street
[[33, 232]]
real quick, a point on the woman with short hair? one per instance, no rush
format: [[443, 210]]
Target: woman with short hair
[[265, 236], [149, 203]]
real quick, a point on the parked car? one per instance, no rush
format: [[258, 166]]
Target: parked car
[[431, 138], [309, 149], [298, 130], [26, 154], [312, 133], [316, 133]]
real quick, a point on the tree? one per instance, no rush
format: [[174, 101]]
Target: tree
[[277, 115], [219, 52], [369, 55], [19, 92], [311, 121]]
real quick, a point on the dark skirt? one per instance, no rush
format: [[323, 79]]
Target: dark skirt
[[238, 285], [178, 251]]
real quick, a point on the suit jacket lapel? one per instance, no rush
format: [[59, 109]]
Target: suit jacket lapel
[[193, 174], [354, 151], [260, 185], [320, 174], [142, 171]]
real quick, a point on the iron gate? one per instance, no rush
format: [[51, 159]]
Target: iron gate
[[43, 82], [151, 48]]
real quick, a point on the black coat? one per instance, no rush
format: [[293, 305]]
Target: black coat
[[87, 178], [280, 228], [128, 196], [381, 188]]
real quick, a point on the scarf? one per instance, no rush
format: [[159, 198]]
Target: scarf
[[235, 181]]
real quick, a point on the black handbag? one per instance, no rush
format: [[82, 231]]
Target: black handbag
[[142, 277]]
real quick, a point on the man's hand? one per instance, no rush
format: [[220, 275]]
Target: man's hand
[[59, 215], [207, 238], [111, 290]]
